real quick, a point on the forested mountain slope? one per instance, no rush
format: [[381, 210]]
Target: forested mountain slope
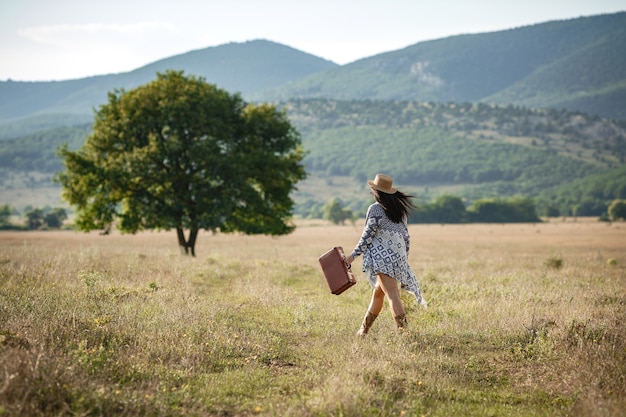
[[472, 150], [238, 67], [37, 151], [578, 64]]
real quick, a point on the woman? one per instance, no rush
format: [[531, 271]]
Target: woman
[[384, 245]]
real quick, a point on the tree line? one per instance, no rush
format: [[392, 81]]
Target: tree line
[[168, 162], [487, 150], [33, 218], [446, 209], [449, 209]]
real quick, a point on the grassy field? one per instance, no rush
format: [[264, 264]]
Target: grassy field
[[523, 320]]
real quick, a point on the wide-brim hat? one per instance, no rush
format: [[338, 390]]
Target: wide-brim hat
[[382, 183]]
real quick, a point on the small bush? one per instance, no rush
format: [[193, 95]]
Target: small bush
[[617, 210], [554, 262]]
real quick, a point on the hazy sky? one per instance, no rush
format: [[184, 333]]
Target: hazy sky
[[65, 39]]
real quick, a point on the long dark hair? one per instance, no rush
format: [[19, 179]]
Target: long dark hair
[[397, 206]]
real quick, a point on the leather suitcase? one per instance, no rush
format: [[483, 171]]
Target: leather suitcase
[[337, 273]]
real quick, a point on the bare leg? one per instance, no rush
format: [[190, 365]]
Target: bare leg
[[378, 298], [390, 287], [376, 305]]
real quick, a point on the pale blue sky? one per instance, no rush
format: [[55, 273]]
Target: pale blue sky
[[65, 39]]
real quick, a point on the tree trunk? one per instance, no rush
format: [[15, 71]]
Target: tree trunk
[[193, 234], [187, 246]]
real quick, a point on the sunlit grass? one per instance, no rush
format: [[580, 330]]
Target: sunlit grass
[[124, 325]]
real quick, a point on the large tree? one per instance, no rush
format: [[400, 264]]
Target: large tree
[[180, 153]]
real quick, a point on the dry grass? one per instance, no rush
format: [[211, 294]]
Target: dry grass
[[124, 325]]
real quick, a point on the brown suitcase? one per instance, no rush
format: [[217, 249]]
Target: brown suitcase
[[337, 273]]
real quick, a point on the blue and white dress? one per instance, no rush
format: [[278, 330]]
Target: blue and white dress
[[385, 248]]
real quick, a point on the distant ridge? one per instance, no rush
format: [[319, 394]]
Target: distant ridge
[[576, 64], [246, 67]]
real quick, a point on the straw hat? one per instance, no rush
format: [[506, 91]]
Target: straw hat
[[383, 183]]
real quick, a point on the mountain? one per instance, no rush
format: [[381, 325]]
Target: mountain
[[470, 150], [237, 67], [538, 111], [578, 64]]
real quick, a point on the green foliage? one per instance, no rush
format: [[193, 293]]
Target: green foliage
[[37, 218], [336, 213], [588, 196], [310, 209], [554, 262], [181, 153], [547, 133], [451, 209], [445, 209], [552, 211], [617, 210], [420, 156], [34, 219], [55, 218], [5, 216], [497, 210], [486, 150]]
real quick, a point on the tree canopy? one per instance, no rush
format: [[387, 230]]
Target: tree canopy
[[617, 210], [335, 212], [5, 216], [181, 153]]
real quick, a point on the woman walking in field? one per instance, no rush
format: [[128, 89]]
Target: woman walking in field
[[384, 245]]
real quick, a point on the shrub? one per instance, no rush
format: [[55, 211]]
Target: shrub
[[336, 213], [497, 210], [617, 210], [5, 215], [554, 262], [34, 219], [445, 209]]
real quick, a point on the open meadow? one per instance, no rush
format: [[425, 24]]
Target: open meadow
[[523, 320]]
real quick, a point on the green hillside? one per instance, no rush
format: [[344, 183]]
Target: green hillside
[[29, 125], [238, 67], [246, 67], [37, 151], [576, 136], [589, 196], [421, 156], [598, 86], [577, 64], [471, 150]]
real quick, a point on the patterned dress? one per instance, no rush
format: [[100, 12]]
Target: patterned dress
[[385, 248]]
